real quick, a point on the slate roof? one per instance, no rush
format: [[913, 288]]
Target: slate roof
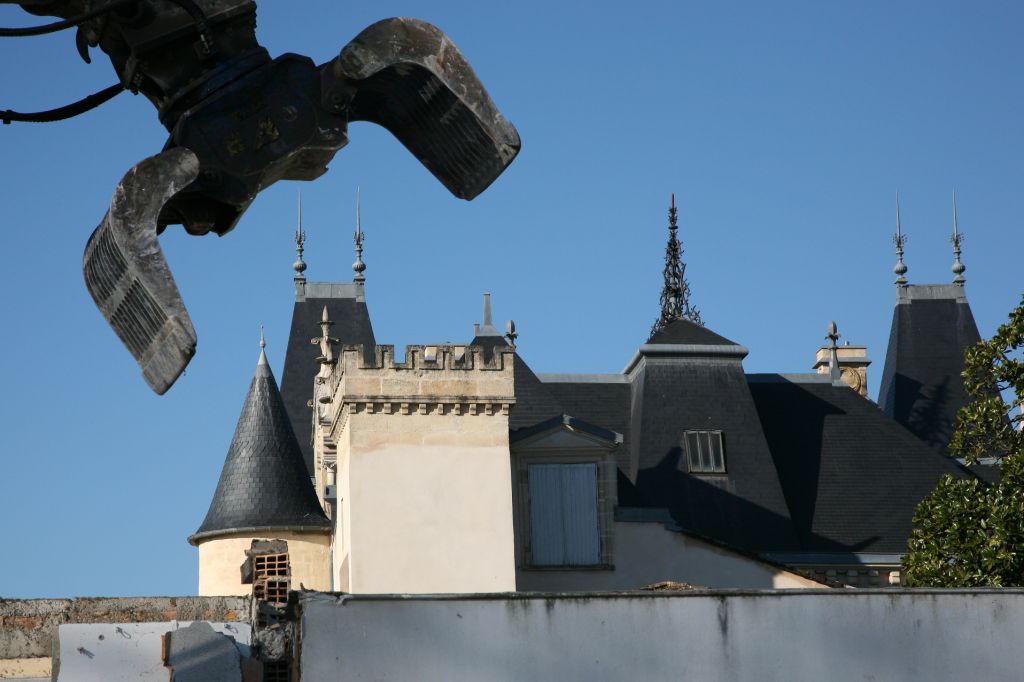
[[264, 485], [703, 387], [346, 307], [686, 332], [851, 475], [921, 386], [602, 399]]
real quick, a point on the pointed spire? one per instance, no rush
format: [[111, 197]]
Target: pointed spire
[[300, 241], [675, 295], [834, 372], [487, 328], [264, 486], [899, 240], [956, 240], [359, 266]]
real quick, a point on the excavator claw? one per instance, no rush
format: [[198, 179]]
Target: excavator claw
[[127, 275], [409, 77], [239, 121]]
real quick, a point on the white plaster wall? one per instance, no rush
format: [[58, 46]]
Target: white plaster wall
[[431, 518], [647, 553], [769, 636], [220, 560]]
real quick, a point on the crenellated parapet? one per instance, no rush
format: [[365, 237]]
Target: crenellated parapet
[[439, 380]]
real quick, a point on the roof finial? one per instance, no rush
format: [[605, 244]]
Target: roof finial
[[325, 339], [263, 346], [510, 332], [359, 266], [957, 239], [675, 295], [900, 240], [300, 241], [834, 372]]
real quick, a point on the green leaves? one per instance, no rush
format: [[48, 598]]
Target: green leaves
[[968, 533]]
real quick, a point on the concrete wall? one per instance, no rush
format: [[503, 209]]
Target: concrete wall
[[835, 635], [28, 627], [221, 558], [423, 473], [646, 553], [135, 651]]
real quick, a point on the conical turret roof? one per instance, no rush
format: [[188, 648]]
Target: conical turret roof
[[264, 485]]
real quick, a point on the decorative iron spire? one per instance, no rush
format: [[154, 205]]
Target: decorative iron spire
[[834, 372], [957, 239], [900, 240], [675, 296], [300, 241], [359, 266]]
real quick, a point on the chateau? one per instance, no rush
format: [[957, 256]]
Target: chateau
[[457, 469]]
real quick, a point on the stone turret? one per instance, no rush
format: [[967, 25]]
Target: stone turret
[[263, 493]]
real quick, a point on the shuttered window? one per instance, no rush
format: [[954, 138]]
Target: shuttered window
[[704, 452], [563, 514]]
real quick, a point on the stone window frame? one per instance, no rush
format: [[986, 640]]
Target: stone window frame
[[607, 499]]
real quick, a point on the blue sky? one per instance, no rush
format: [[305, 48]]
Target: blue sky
[[785, 130]]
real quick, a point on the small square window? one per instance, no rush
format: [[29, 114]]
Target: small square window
[[704, 452]]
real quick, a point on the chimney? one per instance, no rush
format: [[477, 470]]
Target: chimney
[[853, 365]]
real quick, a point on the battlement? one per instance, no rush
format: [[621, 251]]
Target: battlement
[[428, 357], [445, 379]]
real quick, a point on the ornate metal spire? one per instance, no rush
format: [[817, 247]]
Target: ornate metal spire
[[675, 296], [957, 239], [300, 241], [834, 371], [900, 240], [359, 266]]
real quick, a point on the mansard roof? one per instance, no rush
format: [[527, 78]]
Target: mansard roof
[[921, 388], [601, 399], [699, 385], [852, 476], [264, 485], [346, 307]]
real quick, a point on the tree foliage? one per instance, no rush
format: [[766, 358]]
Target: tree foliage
[[969, 533]]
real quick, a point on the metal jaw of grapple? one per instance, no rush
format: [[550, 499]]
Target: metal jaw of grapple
[[282, 119], [127, 274]]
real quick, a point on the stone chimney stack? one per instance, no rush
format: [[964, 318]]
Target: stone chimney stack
[[853, 365]]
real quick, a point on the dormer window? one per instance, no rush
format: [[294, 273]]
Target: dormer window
[[704, 452]]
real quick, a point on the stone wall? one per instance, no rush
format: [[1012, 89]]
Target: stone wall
[[28, 627]]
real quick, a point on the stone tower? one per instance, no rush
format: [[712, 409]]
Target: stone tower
[[422, 494]]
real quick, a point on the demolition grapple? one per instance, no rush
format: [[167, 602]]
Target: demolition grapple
[[240, 121]]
